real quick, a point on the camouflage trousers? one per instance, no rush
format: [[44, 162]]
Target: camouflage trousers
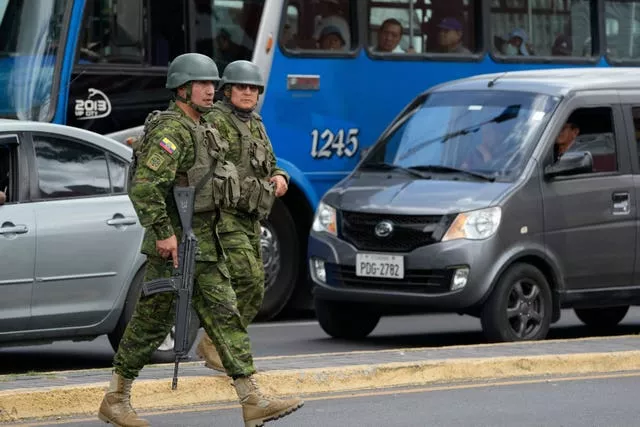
[[215, 303], [247, 272]]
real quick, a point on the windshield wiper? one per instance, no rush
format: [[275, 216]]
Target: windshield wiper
[[389, 166], [445, 169]]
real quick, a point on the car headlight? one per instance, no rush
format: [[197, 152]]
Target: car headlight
[[325, 219], [474, 225]]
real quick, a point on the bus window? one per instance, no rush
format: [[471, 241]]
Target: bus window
[[321, 26], [622, 27], [290, 27], [528, 28], [450, 27], [167, 31], [394, 27], [112, 32], [226, 30]]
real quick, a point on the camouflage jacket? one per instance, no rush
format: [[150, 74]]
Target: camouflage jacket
[[233, 220], [166, 154]]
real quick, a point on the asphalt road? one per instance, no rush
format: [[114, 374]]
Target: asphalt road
[[304, 337], [606, 400]]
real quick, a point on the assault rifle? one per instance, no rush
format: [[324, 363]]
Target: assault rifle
[[181, 282]]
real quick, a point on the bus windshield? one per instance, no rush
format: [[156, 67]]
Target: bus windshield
[[29, 45], [485, 132]]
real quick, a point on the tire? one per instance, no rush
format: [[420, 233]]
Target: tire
[[602, 318], [165, 353], [520, 306], [345, 320], [281, 260]]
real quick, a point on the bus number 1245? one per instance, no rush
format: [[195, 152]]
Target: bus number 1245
[[326, 143]]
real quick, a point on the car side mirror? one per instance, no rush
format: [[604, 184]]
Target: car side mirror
[[571, 163]]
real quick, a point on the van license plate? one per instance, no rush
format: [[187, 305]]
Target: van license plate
[[380, 265]]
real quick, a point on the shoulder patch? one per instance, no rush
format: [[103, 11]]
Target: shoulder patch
[[155, 161], [167, 145]]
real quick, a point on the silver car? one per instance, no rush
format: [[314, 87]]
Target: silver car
[[70, 261]]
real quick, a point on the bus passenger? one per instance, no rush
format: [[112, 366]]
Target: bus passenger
[[332, 14], [331, 38], [450, 36], [389, 36], [517, 44]]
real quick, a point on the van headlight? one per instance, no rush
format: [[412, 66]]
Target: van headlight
[[474, 225], [325, 219]]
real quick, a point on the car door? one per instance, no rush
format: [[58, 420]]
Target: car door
[[88, 232], [17, 239], [590, 218]]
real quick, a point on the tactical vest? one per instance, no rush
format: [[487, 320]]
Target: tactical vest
[[257, 194], [216, 180]]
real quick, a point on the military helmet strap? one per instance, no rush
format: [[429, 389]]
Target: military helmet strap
[[199, 108]]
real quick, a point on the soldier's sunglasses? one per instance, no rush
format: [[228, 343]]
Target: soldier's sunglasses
[[244, 87]]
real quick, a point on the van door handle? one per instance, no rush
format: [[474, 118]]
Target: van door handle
[[621, 205], [9, 228]]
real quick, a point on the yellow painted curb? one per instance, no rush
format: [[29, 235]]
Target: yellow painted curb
[[157, 394]]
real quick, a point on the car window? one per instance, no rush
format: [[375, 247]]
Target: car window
[[69, 169], [590, 129], [8, 167], [118, 174]]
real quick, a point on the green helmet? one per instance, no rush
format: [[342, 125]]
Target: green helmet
[[191, 67], [243, 72]]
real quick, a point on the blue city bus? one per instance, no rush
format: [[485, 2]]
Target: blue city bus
[[335, 75]]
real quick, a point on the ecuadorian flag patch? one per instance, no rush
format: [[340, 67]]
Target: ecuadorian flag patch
[[167, 145]]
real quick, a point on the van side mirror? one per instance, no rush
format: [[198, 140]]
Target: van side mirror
[[571, 163]]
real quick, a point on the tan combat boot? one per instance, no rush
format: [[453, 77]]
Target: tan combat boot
[[207, 351], [258, 408], [116, 406]]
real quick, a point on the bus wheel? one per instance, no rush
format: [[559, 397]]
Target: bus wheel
[[281, 258]]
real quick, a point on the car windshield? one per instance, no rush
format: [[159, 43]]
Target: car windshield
[[480, 134], [30, 39]]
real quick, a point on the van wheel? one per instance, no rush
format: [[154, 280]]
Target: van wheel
[[345, 320], [602, 318], [281, 260], [164, 353], [520, 306]]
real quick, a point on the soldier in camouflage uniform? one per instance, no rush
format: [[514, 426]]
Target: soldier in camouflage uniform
[[261, 181], [179, 148]]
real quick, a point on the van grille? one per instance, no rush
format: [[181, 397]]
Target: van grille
[[415, 281], [410, 231]]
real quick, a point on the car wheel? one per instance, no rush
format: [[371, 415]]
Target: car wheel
[[345, 320], [520, 306], [164, 353], [281, 260], [602, 318]]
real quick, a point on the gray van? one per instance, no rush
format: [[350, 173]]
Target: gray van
[[504, 196]]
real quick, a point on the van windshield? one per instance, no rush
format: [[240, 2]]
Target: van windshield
[[486, 134]]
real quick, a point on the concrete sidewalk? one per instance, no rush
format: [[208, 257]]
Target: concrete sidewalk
[[69, 393]]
